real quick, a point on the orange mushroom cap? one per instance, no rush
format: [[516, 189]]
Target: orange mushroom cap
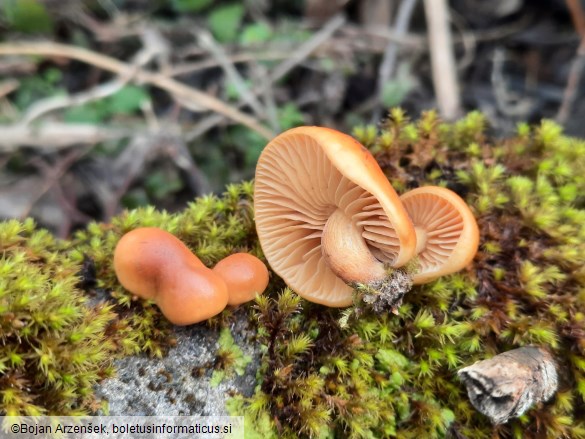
[[446, 231], [154, 264], [326, 215], [245, 276]]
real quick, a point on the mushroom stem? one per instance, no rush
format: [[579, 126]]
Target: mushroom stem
[[421, 239], [346, 251]]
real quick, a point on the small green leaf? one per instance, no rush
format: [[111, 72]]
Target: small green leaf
[[225, 21], [84, 114], [290, 116], [29, 16], [127, 100], [256, 33], [395, 90], [190, 5]]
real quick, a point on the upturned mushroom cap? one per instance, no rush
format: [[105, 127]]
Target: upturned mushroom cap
[[308, 175], [154, 264], [245, 276], [446, 231]]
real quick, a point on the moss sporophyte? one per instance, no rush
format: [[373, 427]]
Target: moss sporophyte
[[381, 375]]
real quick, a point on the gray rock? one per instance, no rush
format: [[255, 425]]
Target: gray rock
[[179, 383]]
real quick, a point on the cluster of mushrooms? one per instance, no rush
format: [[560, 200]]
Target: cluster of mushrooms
[[327, 219], [155, 265]]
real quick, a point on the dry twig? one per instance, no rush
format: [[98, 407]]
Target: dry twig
[[56, 135], [52, 174], [578, 64], [207, 42], [443, 59], [307, 48], [181, 91], [54, 103], [388, 64], [303, 51]]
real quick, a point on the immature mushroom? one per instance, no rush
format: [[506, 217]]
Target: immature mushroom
[[326, 215], [447, 235], [154, 264], [245, 276]]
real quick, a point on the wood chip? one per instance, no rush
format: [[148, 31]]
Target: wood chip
[[508, 384]]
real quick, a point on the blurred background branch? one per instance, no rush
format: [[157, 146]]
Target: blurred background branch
[[170, 99]]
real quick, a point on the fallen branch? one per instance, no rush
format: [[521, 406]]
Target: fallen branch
[[182, 92], [508, 384]]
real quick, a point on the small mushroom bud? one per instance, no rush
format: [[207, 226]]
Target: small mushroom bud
[[154, 264], [245, 276]]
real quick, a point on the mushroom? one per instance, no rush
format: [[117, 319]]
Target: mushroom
[[154, 264], [447, 235], [327, 216], [245, 276]]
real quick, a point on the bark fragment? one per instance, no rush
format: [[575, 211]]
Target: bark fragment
[[508, 384]]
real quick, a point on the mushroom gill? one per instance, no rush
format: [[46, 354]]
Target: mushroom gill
[[438, 229], [446, 231], [297, 190]]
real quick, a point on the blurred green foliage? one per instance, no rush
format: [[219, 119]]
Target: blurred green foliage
[[255, 33], [29, 16], [190, 5], [225, 21], [127, 100]]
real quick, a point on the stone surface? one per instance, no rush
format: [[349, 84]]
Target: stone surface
[[179, 383]]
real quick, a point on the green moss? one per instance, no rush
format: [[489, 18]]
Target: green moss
[[379, 375], [229, 359], [63, 315], [54, 347], [395, 376]]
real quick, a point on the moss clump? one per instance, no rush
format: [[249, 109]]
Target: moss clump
[[54, 347], [395, 376]]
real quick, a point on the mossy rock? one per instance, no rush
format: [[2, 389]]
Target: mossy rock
[[381, 376]]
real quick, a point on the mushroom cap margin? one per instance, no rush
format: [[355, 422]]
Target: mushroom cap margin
[[468, 242]]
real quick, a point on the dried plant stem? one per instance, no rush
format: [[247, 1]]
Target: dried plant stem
[[578, 64], [55, 135], [181, 91], [388, 64], [443, 59], [302, 53], [207, 42]]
